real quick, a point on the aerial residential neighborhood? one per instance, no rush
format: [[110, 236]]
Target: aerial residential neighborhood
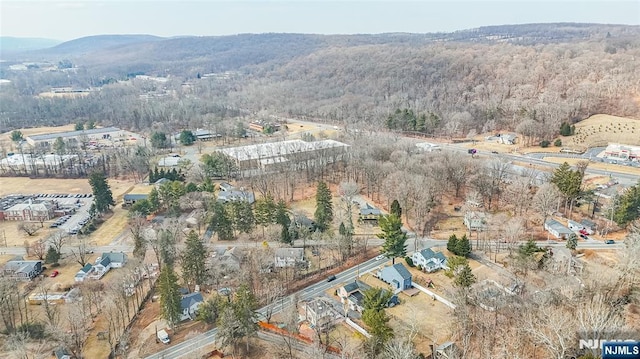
[[424, 192]]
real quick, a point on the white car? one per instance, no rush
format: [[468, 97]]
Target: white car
[[380, 257]]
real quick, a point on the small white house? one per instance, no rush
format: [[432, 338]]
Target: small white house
[[429, 260], [557, 229], [574, 226], [83, 273]]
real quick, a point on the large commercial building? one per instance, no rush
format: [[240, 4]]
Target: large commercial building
[[296, 153], [622, 152], [96, 134]]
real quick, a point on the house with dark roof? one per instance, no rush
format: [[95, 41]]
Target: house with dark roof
[[23, 270], [189, 305], [83, 273], [397, 276], [429, 260], [131, 198], [61, 353], [369, 213], [352, 295]]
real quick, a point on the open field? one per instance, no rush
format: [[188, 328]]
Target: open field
[[599, 130], [38, 131]]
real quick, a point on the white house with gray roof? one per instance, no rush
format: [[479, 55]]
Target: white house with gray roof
[[557, 229], [429, 260]]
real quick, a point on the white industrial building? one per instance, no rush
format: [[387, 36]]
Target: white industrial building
[[48, 139], [294, 152]]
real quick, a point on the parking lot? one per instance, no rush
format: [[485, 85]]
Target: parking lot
[[76, 210]]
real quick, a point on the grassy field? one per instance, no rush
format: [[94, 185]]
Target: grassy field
[[599, 130]]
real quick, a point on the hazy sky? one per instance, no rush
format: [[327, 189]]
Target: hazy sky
[[65, 20]]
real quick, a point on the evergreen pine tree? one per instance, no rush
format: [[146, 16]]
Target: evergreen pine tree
[[221, 222], [394, 238], [193, 260], [169, 295], [463, 247], [102, 196], [452, 244], [396, 209], [465, 277], [324, 207]]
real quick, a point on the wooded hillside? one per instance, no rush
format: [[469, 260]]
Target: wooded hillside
[[525, 78]]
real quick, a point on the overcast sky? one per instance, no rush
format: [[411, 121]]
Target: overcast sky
[[66, 20]]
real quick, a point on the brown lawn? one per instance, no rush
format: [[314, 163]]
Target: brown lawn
[[598, 130]]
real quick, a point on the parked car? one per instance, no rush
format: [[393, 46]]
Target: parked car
[[584, 231], [610, 241], [583, 236], [54, 273], [494, 152], [380, 257], [331, 278]]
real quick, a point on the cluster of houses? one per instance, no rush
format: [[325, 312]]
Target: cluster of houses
[[101, 266]]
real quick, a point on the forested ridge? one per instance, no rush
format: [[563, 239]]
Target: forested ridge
[[525, 78]]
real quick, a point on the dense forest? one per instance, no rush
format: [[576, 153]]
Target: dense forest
[[525, 78]]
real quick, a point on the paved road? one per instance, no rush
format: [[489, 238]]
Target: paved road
[[624, 178]]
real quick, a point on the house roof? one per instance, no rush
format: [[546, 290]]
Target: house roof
[[297, 253], [370, 211], [115, 257], [574, 223], [404, 273], [21, 266], [557, 226], [427, 253], [86, 269], [356, 286], [104, 261], [61, 353], [190, 299], [588, 223], [235, 195], [357, 298], [135, 196]]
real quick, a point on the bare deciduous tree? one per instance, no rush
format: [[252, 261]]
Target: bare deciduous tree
[[29, 228]]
